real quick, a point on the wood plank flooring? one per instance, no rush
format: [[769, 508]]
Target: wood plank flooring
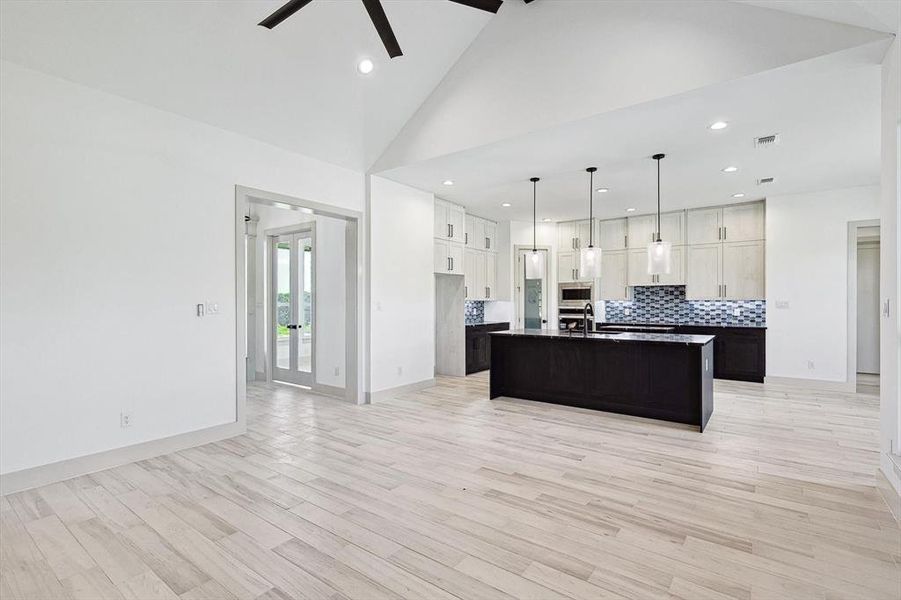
[[443, 494]]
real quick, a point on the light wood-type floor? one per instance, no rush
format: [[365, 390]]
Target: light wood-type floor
[[444, 494]]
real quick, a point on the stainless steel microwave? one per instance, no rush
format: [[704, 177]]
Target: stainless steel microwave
[[575, 294]]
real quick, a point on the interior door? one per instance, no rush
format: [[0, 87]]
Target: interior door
[[532, 295], [292, 307]]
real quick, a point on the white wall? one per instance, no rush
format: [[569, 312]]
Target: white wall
[[807, 266], [115, 220], [331, 288], [890, 259], [402, 285]]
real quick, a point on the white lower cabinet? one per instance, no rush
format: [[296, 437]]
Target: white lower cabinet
[[614, 276], [448, 258]]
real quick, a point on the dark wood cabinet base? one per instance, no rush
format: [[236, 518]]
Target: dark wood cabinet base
[[478, 346]]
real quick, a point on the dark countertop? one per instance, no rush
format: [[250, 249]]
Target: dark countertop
[[652, 338], [488, 323], [722, 325]]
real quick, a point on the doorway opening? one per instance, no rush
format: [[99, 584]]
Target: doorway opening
[[532, 296], [863, 306], [299, 295]]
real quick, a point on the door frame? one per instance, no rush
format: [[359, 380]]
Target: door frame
[[550, 275], [356, 355], [272, 236], [854, 228]]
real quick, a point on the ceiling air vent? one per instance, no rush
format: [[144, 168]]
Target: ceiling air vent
[[765, 180], [766, 141]]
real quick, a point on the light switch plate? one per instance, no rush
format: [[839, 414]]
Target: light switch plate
[[783, 304]]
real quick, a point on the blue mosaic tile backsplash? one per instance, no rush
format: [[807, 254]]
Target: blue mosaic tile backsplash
[[667, 304], [475, 311]]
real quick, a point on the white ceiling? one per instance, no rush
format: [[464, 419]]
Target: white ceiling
[[826, 110], [881, 15], [295, 86]]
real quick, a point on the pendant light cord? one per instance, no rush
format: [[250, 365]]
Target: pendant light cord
[[658, 158], [534, 181], [591, 171]]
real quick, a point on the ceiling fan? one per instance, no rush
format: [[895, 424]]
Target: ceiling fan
[[377, 16]]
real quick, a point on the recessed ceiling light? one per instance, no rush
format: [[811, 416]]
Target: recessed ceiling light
[[546, 220], [730, 169], [718, 125], [602, 190], [738, 195], [630, 210], [365, 66], [505, 204], [448, 182]]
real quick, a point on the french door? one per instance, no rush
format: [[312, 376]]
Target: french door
[[532, 295], [292, 307]]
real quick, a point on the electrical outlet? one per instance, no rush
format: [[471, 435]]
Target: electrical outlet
[[125, 419], [782, 304], [627, 311], [810, 365], [212, 308], [736, 312], [337, 371], [400, 370]]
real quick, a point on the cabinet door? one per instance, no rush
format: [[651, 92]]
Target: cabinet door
[[566, 267], [470, 274], [457, 261], [469, 236], [490, 275], [743, 270], [583, 234], [441, 229], [490, 236], [614, 267], [566, 236], [456, 218], [743, 222], [641, 230], [672, 227], [704, 225], [442, 259], [704, 271], [612, 234], [677, 268], [638, 267]]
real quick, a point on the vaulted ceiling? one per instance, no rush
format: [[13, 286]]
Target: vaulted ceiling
[[487, 100]]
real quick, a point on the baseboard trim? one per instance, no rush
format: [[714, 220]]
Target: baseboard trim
[[889, 494], [330, 390], [401, 389], [818, 384], [26, 479]]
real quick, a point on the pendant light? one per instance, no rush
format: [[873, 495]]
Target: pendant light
[[590, 257], [660, 253], [535, 261]]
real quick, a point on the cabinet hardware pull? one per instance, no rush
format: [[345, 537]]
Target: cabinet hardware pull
[[448, 230], [450, 264], [719, 233], [625, 241], [488, 243], [725, 233], [452, 230], [466, 291], [466, 237], [487, 292], [725, 287]]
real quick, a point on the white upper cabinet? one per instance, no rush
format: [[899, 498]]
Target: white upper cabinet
[[743, 270], [704, 272], [472, 283], [744, 222], [572, 235], [612, 234], [448, 258], [449, 221], [638, 267], [584, 234], [705, 225], [490, 236], [641, 230], [614, 275], [566, 267], [735, 223], [672, 227], [470, 235], [490, 275], [481, 234], [676, 275]]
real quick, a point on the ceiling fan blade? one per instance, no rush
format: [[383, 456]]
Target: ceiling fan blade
[[487, 5], [380, 20], [527, 1], [283, 13]]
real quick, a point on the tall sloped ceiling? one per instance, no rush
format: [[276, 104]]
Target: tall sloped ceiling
[[547, 63]]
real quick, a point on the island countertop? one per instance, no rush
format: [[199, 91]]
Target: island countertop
[[627, 337]]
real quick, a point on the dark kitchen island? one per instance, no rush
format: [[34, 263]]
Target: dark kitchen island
[[657, 375]]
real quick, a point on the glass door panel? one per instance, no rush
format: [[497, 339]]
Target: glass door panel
[[282, 285], [305, 297], [292, 307]]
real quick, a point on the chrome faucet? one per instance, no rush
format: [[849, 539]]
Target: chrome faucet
[[588, 310]]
